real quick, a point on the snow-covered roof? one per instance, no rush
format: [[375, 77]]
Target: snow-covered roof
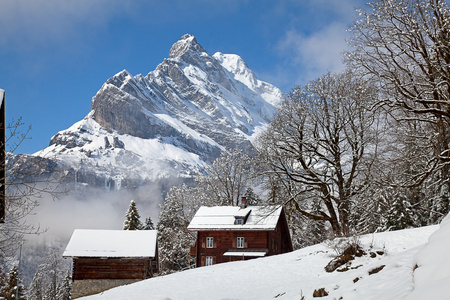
[[111, 243], [223, 218], [244, 253]]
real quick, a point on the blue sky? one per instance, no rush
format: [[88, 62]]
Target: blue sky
[[55, 55]]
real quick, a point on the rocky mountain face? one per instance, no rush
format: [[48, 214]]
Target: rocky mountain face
[[167, 124]]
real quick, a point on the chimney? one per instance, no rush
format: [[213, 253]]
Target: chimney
[[243, 202]]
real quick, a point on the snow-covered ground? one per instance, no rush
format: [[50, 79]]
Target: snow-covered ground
[[413, 269]]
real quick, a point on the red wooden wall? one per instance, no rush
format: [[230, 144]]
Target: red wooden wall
[[113, 268]]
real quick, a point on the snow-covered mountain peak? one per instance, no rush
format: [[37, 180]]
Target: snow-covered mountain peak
[[120, 78], [187, 42], [193, 106], [236, 65], [241, 72]]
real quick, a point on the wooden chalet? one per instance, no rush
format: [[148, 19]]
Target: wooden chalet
[[230, 233], [103, 259]]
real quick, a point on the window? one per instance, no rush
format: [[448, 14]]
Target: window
[[209, 261], [209, 242], [240, 242], [239, 221]]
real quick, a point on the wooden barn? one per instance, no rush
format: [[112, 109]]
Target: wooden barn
[[229, 233], [103, 259]]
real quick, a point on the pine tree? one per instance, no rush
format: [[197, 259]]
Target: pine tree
[[50, 292], [35, 291], [174, 240], [13, 286], [64, 288], [148, 224], [3, 276], [132, 218], [53, 275], [251, 197], [52, 280], [400, 215]]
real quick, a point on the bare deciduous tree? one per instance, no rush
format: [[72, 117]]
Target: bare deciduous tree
[[405, 46], [317, 145], [28, 179], [227, 178]]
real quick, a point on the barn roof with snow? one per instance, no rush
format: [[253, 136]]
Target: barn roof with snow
[[227, 218], [111, 243]]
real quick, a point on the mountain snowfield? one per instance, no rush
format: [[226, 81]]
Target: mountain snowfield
[[169, 123], [416, 267], [147, 159]]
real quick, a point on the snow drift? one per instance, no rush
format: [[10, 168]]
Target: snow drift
[[387, 271]]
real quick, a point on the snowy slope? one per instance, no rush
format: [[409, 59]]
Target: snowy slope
[[432, 266], [167, 124], [289, 276], [140, 158]]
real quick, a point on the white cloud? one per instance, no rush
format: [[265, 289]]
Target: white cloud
[[24, 23], [27, 23], [97, 209], [313, 44], [317, 53], [343, 9]]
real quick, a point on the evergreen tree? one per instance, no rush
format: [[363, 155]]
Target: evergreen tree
[[251, 197], [53, 273], [148, 224], [369, 211], [400, 215], [64, 288], [50, 290], [3, 276], [13, 286], [52, 280], [174, 241], [132, 218], [35, 291]]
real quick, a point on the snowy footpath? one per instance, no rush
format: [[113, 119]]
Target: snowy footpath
[[405, 264]]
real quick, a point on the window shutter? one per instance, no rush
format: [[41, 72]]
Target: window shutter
[[203, 242], [234, 242], [203, 261], [214, 260], [245, 243], [214, 242]]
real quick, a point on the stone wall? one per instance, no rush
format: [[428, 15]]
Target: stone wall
[[81, 288]]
